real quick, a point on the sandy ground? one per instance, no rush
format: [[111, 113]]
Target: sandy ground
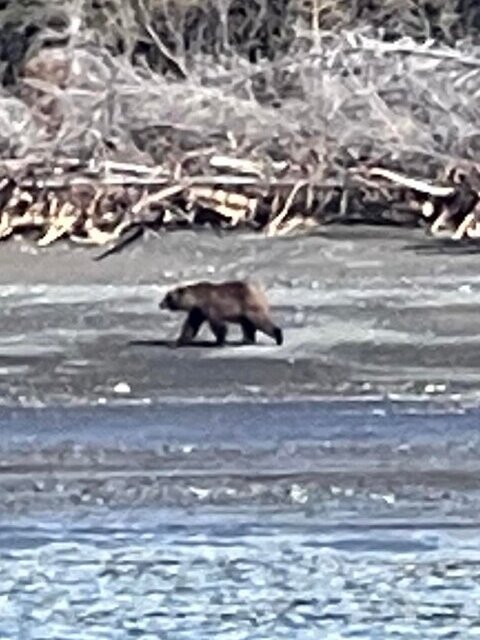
[[366, 311]]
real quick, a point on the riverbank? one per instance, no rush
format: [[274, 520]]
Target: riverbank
[[366, 312]]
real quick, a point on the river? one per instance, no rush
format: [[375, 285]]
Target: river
[[240, 520]]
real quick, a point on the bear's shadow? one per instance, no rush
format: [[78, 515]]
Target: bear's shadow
[[171, 344]]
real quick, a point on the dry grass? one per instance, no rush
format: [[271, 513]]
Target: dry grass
[[345, 96], [321, 89]]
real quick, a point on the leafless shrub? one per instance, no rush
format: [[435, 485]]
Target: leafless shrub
[[326, 99]]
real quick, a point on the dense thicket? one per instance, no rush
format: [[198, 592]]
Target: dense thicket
[[254, 28], [335, 80]]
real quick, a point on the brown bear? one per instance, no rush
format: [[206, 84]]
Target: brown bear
[[236, 302]]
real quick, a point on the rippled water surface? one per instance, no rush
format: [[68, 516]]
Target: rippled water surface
[[287, 520], [161, 573]]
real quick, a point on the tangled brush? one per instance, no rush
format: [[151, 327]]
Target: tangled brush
[[296, 97]]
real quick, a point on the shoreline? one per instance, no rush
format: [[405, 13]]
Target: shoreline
[[363, 311], [365, 459]]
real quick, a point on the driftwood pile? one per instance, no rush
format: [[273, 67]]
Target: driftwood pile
[[112, 204], [344, 127]]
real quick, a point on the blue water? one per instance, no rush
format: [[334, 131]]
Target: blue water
[[249, 423], [240, 521]]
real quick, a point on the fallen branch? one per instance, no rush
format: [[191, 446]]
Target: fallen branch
[[277, 221], [130, 235], [154, 198], [412, 183], [237, 164]]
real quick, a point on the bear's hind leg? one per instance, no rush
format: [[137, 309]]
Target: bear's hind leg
[[265, 325]]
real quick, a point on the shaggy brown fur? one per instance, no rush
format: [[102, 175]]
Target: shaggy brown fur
[[234, 302]]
